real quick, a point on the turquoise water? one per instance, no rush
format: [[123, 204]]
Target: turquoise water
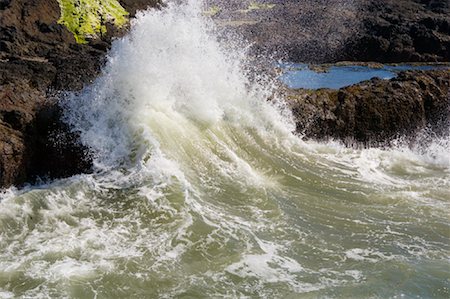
[[300, 76]]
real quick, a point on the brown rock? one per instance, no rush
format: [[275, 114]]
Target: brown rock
[[38, 58], [327, 31], [375, 112]]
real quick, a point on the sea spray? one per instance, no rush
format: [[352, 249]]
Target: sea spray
[[170, 69], [202, 190]]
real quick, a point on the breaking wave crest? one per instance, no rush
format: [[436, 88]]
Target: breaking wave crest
[[202, 190]]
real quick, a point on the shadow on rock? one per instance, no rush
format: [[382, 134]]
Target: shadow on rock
[[52, 150]]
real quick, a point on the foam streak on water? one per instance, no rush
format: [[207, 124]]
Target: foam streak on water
[[201, 190]]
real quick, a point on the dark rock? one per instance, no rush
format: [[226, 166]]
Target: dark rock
[[14, 118], [52, 150], [425, 41], [4, 4], [376, 111], [134, 5], [46, 28], [39, 57], [327, 31], [416, 30]]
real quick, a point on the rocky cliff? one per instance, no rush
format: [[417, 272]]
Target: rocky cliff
[[39, 57]]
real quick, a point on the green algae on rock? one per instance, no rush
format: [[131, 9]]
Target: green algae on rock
[[258, 6], [88, 18]]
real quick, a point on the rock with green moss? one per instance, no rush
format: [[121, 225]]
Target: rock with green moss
[[88, 18], [258, 6]]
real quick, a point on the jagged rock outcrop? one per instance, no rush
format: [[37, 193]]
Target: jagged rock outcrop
[[377, 111], [38, 58]]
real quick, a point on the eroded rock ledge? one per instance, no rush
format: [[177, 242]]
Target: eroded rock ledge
[[375, 112]]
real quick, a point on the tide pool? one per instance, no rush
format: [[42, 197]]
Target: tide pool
[[335, 77]]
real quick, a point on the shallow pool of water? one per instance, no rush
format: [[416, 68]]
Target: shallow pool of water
[[335, 77]]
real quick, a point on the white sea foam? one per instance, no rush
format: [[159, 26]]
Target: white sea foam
[[200, 184], [169, 77]]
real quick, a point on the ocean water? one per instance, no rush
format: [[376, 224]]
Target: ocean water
[[297, 75], [201, 190]]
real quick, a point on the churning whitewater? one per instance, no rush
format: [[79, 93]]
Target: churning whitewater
[[201, 190]]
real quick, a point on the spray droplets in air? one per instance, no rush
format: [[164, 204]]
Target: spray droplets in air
[[170, 72]]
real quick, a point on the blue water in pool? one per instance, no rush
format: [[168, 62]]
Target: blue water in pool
[[300, 76]]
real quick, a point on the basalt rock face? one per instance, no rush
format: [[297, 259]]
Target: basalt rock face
[[375, 112], [38, 58]]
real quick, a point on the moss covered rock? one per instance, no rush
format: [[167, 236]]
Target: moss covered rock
[[88, 18]]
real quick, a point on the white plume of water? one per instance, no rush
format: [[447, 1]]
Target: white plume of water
[[170, 82], [201, 189], [169, 71]]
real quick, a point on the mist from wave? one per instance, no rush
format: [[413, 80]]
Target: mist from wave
[[201, 189]]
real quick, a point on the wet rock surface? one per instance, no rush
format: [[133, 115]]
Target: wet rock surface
[[39, 58], [375, 112]]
